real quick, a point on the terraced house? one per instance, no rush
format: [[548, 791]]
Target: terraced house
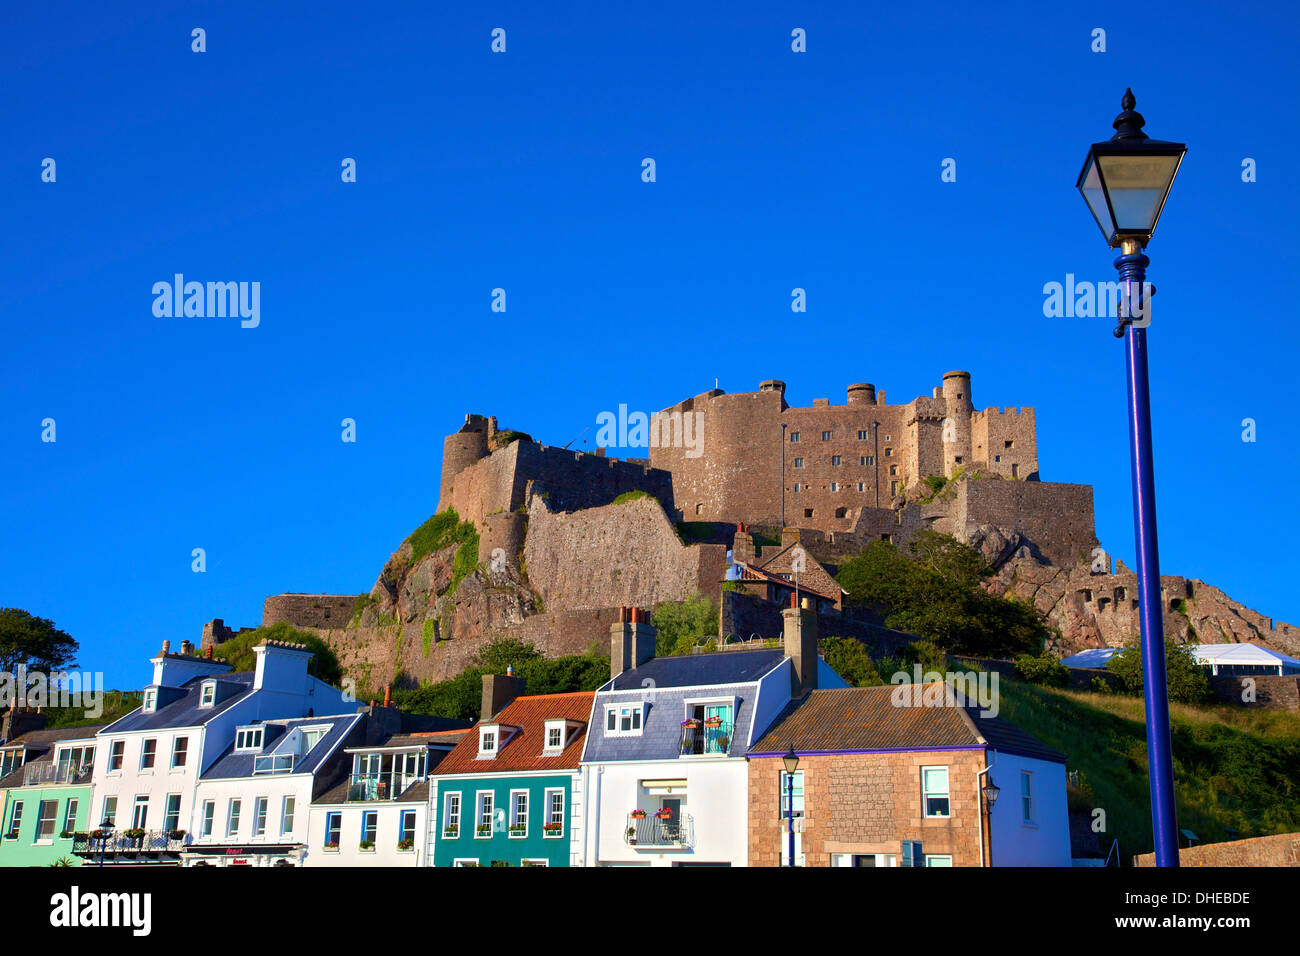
[[507, 794], [45, 793]]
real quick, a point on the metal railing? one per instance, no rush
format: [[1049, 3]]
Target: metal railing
[[651, 831], [703, 739], [274, 763], [37, 773], [379, 786], [119, 843]]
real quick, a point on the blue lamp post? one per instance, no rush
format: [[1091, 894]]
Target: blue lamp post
[[1125, 182], [791, 760]]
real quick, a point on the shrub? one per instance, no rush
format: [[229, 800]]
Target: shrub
[[1042, 669], [238, 651], [683, 624], [631, 496], [849, 658], [1185, 678], [440, 531]]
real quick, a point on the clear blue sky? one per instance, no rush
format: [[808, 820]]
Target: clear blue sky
[[775, 170]]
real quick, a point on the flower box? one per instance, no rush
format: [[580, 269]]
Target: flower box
[[483, 830], [406, 844], [366, 845], [637, 814], [332, 847], [713, 723], [518, 832], [552, 829], [450, 832]]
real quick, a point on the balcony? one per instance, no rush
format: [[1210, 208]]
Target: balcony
[[369, 788], [273, 763], [700, 739], [71, 773], [119, 843], [654, 833]]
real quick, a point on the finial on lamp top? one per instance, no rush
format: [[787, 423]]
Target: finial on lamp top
[[1129, 123]]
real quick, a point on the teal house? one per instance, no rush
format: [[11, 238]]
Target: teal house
[[504, 795], [45, 795]]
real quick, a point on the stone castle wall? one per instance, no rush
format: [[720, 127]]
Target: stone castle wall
[[1281, 849], [309, 610]]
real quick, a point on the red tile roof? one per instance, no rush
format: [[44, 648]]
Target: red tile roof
[[523, 749]]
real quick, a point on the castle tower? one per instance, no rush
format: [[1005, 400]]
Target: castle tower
[[862, 394], [957, 426], [462, 449]]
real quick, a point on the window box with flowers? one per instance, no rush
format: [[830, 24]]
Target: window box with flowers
[[483, 831], [518, 831], [663, 814], [713, 723], [367, 845], [450, 832], [134, 835], [407, 844], [553, 829], [332, 847], [637, 814]]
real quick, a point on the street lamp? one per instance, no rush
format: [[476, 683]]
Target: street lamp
[[791, 761], [991, 791], [105, 828], [1125, 182]]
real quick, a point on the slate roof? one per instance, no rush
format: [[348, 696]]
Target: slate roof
[[523, 749], [232, 765], [689, 670], [866, 719], [40, 746], [416, 793], [185, 711], [661, 720]]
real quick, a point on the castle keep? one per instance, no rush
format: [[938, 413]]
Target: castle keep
[[837, 460]]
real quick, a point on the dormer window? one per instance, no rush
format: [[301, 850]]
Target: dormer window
[[557, 736], [624, 720], [208, 693], [488, 740], [248, 738], [150, 703]]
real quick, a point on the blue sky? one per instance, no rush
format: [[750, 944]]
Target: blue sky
[[522, 170]]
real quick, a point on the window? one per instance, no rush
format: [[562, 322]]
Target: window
[[451, 816], [867, 460], [798, 487], [557, 733], [841, 512], [208, 694], [794, 436], [836, 460], [180, 751], [798, 793], [259, 817], [487, 742], [553, 823], [1026, 796], [893, 469], [887, 438], [15, 821], [889, 453], [798, 462], [110, 811], [624, 720], [148, 752], [518, 813], [46, 811], [807, 512], [1008, 444], [333, 829], [248, 738], [862, 486], [835, 486], [286, 815], [862, 435], [369, 827], [934, 859], [310, 738], [150, 702], [464, 862], [997, 457], [826, 436], [406, 831], [527, 862], [209, 810], [232, 819], [10, 760], [70, 816], [934, 791], [140, 813], [74, 761], [483, 818], [115, 754], [172, 813], [1015, 471]]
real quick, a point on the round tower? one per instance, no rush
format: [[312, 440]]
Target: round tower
[[862, 394], [772, 385], [460, 450], [957, 425]]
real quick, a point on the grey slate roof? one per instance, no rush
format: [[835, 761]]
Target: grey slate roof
[[231, 764], [186, 712], [688, 670], [661, 730]]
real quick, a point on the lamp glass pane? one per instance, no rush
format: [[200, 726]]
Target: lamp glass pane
[[1095, 196], [1137, 186]]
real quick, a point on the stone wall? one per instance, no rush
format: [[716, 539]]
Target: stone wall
[[1272, 691], [1282, 849], [1056, 520], [625, 554], [309, 610], [865, 803]]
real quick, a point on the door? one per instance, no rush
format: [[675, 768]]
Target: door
[[671, 826], [717, 739]]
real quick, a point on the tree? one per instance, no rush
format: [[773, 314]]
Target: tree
[[504, 652], [934, 591], [1185, 678], [33, 642], [683, 624], [1042, 669], [238, 651], [849, 658]]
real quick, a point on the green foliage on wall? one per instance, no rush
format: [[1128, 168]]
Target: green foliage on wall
[[631, 496], [238, 651], [440, 531], [683, 624]]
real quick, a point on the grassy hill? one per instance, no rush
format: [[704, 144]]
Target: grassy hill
[[1234, 767]]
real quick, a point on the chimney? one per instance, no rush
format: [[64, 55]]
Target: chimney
[[742, 545], [19, 720], [167, 647], [498, 690], [631, 641], [187, 648], [801, 646], [281, 666], [789, 536], [388, 695], [209, 652]]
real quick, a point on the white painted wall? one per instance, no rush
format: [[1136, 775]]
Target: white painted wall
[[275, 787], [385, 852], [1045, 842]]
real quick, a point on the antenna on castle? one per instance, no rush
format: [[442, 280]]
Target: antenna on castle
[[577, 436]]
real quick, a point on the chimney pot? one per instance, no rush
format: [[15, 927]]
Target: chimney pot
[[388, 695], [167, 646], [209, 652]]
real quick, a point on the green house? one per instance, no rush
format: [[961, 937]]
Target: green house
[[45, 795], [504, 795]]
